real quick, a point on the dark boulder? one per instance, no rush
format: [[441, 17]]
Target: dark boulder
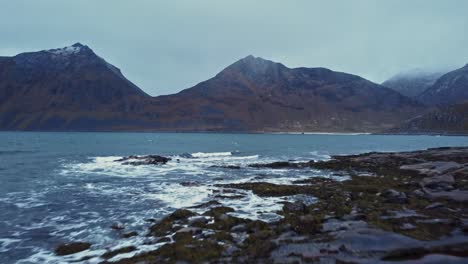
[[393, 196], [439, 183], [71, 248]]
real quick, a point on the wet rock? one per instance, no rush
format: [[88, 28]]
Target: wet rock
[[439, 183], [212, 203], [455, 195], [434, 206], [460, 250], [116, 252], [273, 165], [71, 248], [297, 206], [282, 165], [144, 160], [163, 240], [189, 230], [338, 225], [433, 168], [239, 228], [169, 223], [354, 217], [419, 193], [198, 220], [117, 226], [218, 211], [464, 224], [461, 173], [393, 196], [231, 167], [186, 155], [407, 226], [130, 234]]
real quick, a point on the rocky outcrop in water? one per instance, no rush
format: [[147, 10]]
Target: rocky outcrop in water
[[144, 160]]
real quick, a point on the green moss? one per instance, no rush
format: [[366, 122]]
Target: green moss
[[166, 225], [270, 189]]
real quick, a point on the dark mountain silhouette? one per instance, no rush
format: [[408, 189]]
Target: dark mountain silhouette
[[451, 88], [74, 89], [412, 83]]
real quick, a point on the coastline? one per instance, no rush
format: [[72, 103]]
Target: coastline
[[387, 206], [339, 133]]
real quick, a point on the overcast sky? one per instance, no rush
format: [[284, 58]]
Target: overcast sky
[[167, 46]]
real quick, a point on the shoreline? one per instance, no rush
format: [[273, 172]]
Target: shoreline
[[242, 132], [388, 206]]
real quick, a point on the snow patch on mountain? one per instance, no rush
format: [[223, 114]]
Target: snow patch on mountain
[[67, 51]]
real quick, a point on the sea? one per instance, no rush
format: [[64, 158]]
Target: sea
[[63, 187]]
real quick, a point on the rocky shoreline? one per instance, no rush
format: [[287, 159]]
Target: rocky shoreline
[[410, 207]]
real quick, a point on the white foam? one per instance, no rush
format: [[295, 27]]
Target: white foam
[[178, 196], [198, 165], [319, 155], [161, 183], [211, 154], [6, 242]]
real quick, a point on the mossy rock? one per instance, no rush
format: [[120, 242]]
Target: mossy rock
[[114, 253], [270, 189], [218, 211], [166, 225]]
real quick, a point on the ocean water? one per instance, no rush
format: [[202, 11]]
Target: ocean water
[[63, 187]]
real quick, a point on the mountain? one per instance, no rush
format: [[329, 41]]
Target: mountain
[[451, 88], [260, 95], [447, 120], [67, 88], [412, 83], [74, 89]]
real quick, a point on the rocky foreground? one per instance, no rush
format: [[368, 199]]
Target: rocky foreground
[[409, 207]]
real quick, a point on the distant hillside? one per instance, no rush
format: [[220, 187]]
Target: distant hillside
[[412, 83], [451, 88], [74, 89], [448, 120]]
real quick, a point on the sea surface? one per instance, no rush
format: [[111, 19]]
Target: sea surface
[[63, 187]]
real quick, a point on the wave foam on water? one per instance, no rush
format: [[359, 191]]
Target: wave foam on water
[[195, 164], [211, 154], [152, 191]]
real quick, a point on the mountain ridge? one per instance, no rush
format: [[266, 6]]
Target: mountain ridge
[[413, 83], [450, 88], [77, 89]]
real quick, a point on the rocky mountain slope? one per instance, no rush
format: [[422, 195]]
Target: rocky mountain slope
[[261, 95], [451, 88], [68, 88], [412, 83], [74, 89], [451, 119]]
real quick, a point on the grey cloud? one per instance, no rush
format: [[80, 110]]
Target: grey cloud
[[166, 46]]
